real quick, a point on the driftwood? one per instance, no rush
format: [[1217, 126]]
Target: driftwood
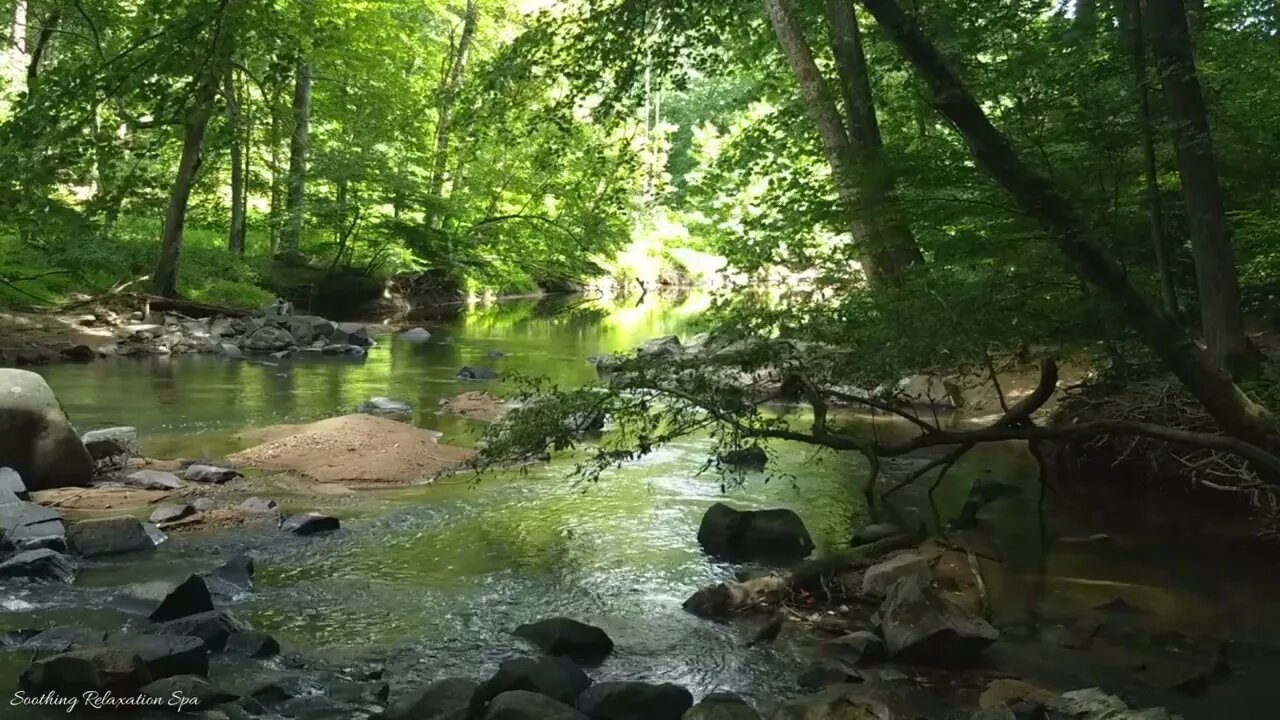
[[190, 308]]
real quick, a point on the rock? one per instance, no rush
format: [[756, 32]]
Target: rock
[[156, 534], [100, 669], [39, 564], [230, 351], [28, 526], [1094, 704], [661, 347], [79, 353], [212, 474], [855, 648], [415, 335], [921, 626], [556, 677], [164, 600], [722, 706], [838, 702], [825, 673], [62, 639], [582, 643], [310, 524], [871, 533], [260, 505], [476, 373], [878, 578], [154, 480], [360, 692], [308, 328], [213, 627], [108, 536], [231, 579], [524, 705], [169, 512], [351, 334], [384, 406], [281, 355], [268, 340], [203, 504], [11, 485], [634, 701], [1009, 691], [113, 442], [36, 439], [165, 656], [998, 712], [342, 349], [186, 694], [446, 699], [750, 458], [769, 535], [252, 643], [495, 354], [274, 310]]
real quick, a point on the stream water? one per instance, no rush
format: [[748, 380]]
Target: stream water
[[431, 579]]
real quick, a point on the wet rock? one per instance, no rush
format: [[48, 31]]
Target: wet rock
[[360, 692], [154, 480], [62, 639], [384, 406], [634, 701], [260, 505], [446, 699], [855, 648], [749, 458], [186, 694], [79, 353], [1094, 704], [213, 627], [28, 526], [556, 677], [99, 669], [308, 328], [236, 572], [230, 351], [11, 639], [878, 578], [36, 439], [268, 340], [584, 644], [661, 347], [310, 524], [165, 656], [825, 673], [476, 373], [211, 474], [111, 442], [722, 706], [343, 349], [415, 335], [11, 483], [523, 705], [746, 535], [171, 512], [351, 334], [156, 534], [108, 536], [165, 600], [39, 564], [316, 707], [838, 702], [920, 626], [872, 533], [999, 712], [252, 643]]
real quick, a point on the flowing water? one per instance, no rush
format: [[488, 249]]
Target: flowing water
[[431, 579]]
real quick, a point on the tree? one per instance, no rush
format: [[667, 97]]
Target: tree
[[299, 143], [446, 96], [235, 239]]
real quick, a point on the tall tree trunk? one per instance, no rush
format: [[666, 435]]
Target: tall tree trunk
[[1133, 44], [235, 239], [291, 234], [1039, 199], [864, 134], [47, 29], [449, 88], [166, 277], [1219, 290], [277, 181], [881, 259]]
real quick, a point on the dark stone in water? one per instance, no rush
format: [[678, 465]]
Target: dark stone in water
[[920, 626], [750, 458], [858, 647], [722, 706], [252, 643], [108, 536], [310, 524], [39, 564], [165, 656], [370, 692], [476, 373], [62, 639], [443, 699], [635, 701], [197, 691], [827, 672], [171, 512], [747, 535], [585, 644], [525, 705], [212, 474], [214, 628], [163, 600], [231, 578], [100, 669], [556, 677]]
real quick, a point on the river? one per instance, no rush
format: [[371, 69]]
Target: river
[[431, 579]]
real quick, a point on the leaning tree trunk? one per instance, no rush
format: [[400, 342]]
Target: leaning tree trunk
[[47, 29], [1041, 200], [449, 88], [235, 239], [166, 277], [1219, 289], [1134, 46], [882, 259], [291, 234]]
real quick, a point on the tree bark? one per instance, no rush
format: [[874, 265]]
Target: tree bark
[[277, 184], [449, 88], [1134, 46], [881, 259], [1234, 412], [1219, 290], [235, 239], [47, 29], [291, 233]]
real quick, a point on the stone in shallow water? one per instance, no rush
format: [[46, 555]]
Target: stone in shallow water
[[62, 639], [98, 669], [252, 643], [476, 373], [165, 656], [441, 699], [722, 706], [743, 535], [214, 628], [310, 524], [415, 335], [582, 643], [187, 693], [556, 677], [524, 705], [108, 536], [154, 480], [920, 626], [164, 600], [630, 700], [171, 512], [28, 526], [384, 406], [212, 474], [39, 564]]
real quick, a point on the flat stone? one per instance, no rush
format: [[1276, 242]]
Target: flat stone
[[310, 524], [39, 564], [260, 505], [211, 474], [170, 512], [108, 536], [28, 526], [154, 480]]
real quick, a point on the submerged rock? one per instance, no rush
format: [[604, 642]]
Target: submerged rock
[[310, 524], [585, 644], [39, 564], [343, 349], [920, 626], [108, 536], [36, 438], [444, 699], [746, 535], [749, 458], [635, 701], [524, 705]]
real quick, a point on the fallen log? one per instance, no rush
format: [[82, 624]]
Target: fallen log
[[190, 308]]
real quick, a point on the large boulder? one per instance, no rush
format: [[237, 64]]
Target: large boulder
[[878, 578], [838, 702], [722, 706], [108, 536], [39, 564], [268, 340], [446, 699], [164, 600], [920, 626], [111, 443], [36, 439], [584, 644], [100, 669], [556, 677], [747, 535], [27, 526], [661, 347], [634, 701], [524, 705]]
